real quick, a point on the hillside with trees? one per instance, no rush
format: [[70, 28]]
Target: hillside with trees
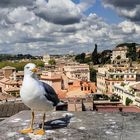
[[95, 58], [20, 65], [5, 57], [104, 57]]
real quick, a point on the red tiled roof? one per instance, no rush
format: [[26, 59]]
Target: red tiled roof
[[4, 96], [9, 67], [10, 82], [10, 89]]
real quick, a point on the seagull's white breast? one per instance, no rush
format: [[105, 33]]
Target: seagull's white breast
[[32, 94]]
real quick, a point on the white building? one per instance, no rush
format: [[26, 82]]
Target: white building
[[130, 91], [119, 55], [77, 72], [46, 58], [108, 76]]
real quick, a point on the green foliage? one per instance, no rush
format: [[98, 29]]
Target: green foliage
[[93, 75], [39, 63], [94, 56], [20, 65], [138, 55], [87, 60], [114, 98], [105, 57], [128, 101], [5, 57], [122, 84], [132, 54], [132, 51], [97, 97], [122, 44], [138, 61], [105, 97], [52, 62], [80, 57]]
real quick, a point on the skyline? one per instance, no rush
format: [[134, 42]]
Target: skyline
[[56, 27]]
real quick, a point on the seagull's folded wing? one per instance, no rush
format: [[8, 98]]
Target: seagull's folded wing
[[50, 94]]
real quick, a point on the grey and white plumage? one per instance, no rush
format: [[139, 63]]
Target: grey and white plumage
[[36, 94]]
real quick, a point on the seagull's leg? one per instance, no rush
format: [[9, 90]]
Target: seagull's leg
[[30, 129], [41, 131], [32, 120]]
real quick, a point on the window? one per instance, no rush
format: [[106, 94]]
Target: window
[[85, 88]]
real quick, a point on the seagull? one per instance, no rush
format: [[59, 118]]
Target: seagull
[[37, 95]]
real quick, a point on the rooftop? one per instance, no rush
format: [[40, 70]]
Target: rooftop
[[4, 96], [120, 48], [75, 126], [8, 67]]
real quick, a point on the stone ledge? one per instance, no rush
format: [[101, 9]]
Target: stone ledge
[[81, 126]]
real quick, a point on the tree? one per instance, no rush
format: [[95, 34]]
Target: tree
[[93, 75], [52, 62], [20, 65], [80, 57], [94, 56], [128, 101], [132, 51], [104, 57]]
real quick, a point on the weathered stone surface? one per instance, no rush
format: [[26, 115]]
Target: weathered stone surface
[[10, 108], [82, 126]]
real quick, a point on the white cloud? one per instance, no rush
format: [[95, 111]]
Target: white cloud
[[129, 9], [47, 27], [127, 27], [58, 12], [21, 15]]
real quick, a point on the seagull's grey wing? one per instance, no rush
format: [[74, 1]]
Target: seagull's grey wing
[[50, 94]]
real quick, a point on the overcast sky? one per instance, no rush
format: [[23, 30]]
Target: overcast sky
[[66, 26]]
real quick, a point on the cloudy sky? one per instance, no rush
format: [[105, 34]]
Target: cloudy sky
[[65, 26]]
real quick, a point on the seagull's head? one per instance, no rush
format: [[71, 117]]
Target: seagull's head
[[30, 69]]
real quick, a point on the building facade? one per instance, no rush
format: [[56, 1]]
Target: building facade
[[108, 76], [127, 91], [46, 59], [119, 55], [77, 72]]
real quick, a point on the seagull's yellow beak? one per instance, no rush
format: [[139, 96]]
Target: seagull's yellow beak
[[34, 70]]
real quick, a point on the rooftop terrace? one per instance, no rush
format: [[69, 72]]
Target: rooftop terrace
[[75, 126]]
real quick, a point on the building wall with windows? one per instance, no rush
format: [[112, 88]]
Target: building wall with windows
[[107, 77], [130, 91], [77, 72], [101, 80], [119, 51]]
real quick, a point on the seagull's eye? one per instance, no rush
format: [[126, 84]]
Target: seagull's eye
[[27, 67]]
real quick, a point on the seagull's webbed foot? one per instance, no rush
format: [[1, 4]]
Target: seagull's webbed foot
[[30, 129], [39, 132], [25, 131]]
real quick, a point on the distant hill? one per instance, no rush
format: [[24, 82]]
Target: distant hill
[[127, 44]]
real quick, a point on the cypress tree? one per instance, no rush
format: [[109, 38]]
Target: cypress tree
[[95, 56]]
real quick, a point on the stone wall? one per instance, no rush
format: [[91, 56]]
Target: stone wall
[[74, 126]]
